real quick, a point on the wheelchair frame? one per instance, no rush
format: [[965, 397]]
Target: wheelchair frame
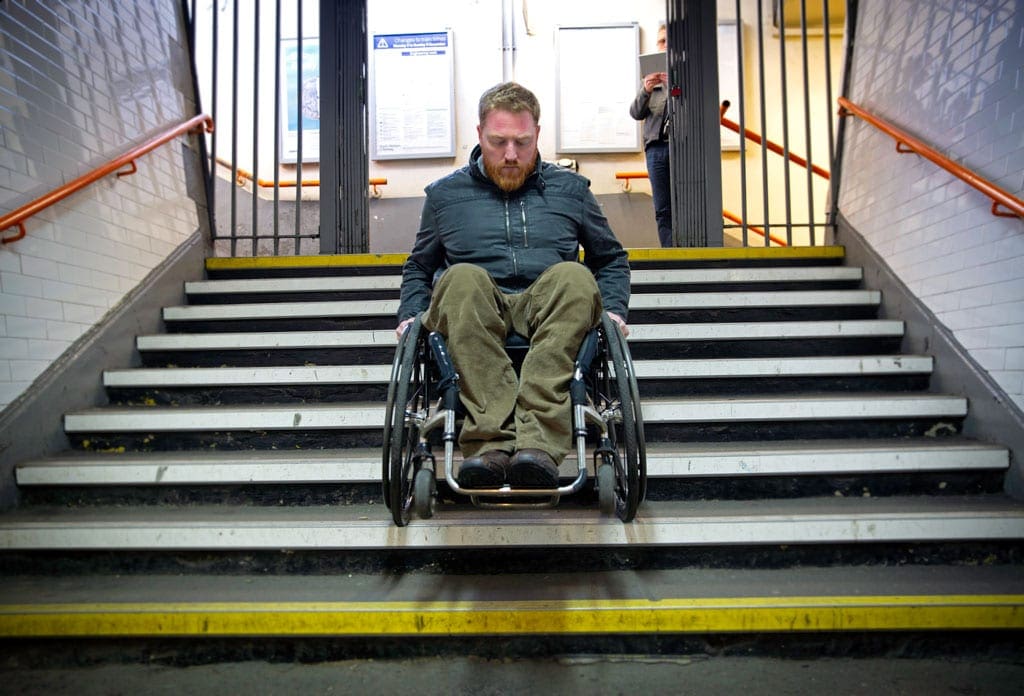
[[423, 396]]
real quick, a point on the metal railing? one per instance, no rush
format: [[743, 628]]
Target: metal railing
[[17, 218], [814, 87], [231, 40], [626, 178], [906, 143]]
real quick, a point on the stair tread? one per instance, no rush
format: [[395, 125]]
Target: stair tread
[[643, 369], [680, 276], [714, 459], [678, 523], [847, 328], [697, 409], [363, 308]]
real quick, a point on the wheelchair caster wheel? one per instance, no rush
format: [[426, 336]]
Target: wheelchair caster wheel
[[424, 494], [606, 489]]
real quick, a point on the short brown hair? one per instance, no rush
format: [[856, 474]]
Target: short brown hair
[[509, 96]]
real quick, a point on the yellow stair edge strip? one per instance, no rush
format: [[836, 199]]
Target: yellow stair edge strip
[[555, 617], [236, 263]]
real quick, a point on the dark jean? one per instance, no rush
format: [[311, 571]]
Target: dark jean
[[658, 173]]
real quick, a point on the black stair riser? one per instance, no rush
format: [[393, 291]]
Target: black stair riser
[[256, 394], [758, 348], [361, 355], [799, 430], [505, 560], [751, 314], [648, 288], [704, 386], [310, 272], [305, 296], [640, 350], [654, 432], [678, 488], [739, 286], [344, 393], [637, 316]]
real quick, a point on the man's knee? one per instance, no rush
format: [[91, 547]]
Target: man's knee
[[569, 282], [464, 278]]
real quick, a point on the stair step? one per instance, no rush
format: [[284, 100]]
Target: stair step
[[733, 459], [137, 378], [369, 416], [654, 301], [872, 331], [206, 290], [351, 527], [650, 602]]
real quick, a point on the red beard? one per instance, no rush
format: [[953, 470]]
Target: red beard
[[505, 181]]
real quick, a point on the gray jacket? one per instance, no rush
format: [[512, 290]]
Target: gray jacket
[[514, 236], [650, 108]]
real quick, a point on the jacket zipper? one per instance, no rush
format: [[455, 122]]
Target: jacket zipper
[[508, 239], [522, 212]]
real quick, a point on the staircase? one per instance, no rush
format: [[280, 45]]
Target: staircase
[[801, 476]]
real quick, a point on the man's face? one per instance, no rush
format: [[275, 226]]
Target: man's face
[[509, 144], [662, 39]]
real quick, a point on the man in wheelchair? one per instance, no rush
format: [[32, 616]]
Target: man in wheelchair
[[503, 234]]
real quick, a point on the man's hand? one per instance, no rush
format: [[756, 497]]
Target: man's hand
[[620, 321], [653, 80], [400, 329]]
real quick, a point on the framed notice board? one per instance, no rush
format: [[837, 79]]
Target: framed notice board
[[412, 95], [595, 82]]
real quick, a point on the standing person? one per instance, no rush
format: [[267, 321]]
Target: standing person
[[649, 106], [506, 230]]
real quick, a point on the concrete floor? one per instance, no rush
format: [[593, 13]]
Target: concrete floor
[[620, 674]]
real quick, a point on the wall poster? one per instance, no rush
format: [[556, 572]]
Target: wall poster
[[300, 100], [595, 82], [412, 95]]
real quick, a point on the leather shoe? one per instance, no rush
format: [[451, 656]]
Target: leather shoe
[[486, 470], [533, 468]]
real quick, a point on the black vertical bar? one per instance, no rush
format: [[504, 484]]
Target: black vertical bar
[[298, 140], [330, 150], [256, 127], [344, 160], [695, 154], [764, 124], [836, 173], [234, 128], [204, 157], [829, 114], [215, 65], [807, 122], [785, 122], [277, 126], [742, 122]]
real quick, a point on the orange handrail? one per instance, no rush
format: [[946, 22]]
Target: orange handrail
[[774, 147], [904, 140], [242, 175], [17, 217]]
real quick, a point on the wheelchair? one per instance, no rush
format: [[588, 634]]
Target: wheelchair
[[423, 413]]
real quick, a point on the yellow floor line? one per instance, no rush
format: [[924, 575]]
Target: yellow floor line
[[235, 263], [565, 617]]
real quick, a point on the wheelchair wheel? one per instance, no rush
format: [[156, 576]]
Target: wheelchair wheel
[[403, 457], [424, 493], [629, 460], [389, 410]]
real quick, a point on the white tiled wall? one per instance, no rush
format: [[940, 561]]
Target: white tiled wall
[[81, 83], [952, 74]]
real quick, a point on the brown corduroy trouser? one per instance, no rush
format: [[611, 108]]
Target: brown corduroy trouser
[[503, 411]]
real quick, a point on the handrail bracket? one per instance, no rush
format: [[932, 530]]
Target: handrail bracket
[[21, 233]]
